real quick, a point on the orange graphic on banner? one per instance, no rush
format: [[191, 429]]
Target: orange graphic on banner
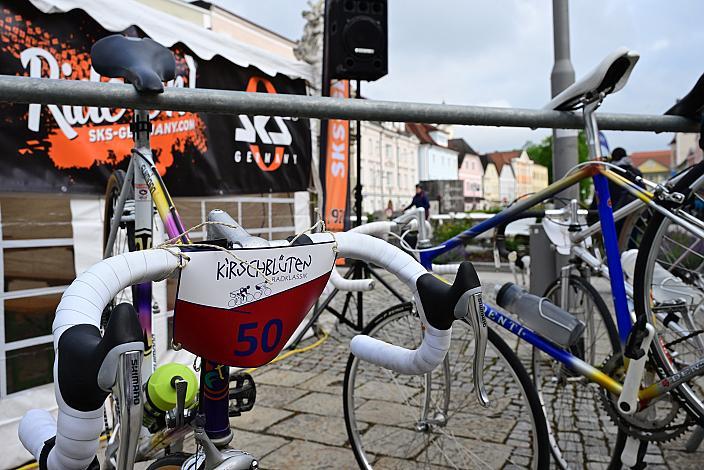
[[252, 87], [112, 143], [337, 164]]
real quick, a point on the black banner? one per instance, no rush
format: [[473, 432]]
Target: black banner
[[74, 149]]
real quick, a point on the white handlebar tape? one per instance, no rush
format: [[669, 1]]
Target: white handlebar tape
[[352, 285], [375, 229], [419, 361], [446, 268], [78, 432], [435, 342]]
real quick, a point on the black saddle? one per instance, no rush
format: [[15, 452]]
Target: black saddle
[[144, 63], [691, 105]]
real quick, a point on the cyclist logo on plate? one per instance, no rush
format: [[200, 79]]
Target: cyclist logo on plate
[[254, 129]]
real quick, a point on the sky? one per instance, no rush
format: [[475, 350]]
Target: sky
[[500, 53]]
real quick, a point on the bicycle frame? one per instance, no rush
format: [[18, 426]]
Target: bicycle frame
[[150, 191], [601, 175]]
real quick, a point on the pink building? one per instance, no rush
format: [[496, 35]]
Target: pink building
[[470, 171]]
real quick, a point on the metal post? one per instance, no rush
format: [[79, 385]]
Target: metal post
[[358, 185], [564, 147], [359, 266], [564, 141]]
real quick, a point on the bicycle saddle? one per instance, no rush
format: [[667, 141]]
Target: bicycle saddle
[[608, 77], [691, 105], [144, 63], [87, 363], [439, 298]]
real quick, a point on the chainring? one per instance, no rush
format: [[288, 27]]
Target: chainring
[[663, 421]]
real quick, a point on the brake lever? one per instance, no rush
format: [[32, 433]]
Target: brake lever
[[470, 309]]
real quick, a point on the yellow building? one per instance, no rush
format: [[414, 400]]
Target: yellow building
[[540, 178]]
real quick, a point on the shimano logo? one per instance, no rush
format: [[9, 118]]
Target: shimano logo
[[134, 380]]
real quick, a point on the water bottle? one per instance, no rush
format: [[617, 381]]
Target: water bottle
[[160, 393], [540, 315]]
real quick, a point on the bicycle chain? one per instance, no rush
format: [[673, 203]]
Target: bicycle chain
[[642, 425]]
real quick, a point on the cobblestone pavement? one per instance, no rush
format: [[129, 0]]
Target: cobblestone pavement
[[298, 422]]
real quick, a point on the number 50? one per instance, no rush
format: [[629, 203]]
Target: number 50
[[251, 342]]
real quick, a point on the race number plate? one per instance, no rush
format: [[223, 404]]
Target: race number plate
[[228, 312]]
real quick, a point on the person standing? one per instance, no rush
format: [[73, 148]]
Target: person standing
[[420, 199]]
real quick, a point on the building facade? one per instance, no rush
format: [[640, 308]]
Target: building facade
[[470, 172], [507, 185], [510, 175], [540, 178], [223, 21], [436, 161], [655, 165], [490, 185], [685, 150], [389, 166]]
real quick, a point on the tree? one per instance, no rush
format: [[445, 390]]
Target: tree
[[542, 154]]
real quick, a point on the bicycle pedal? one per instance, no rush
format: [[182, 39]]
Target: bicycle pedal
[[242, 395]]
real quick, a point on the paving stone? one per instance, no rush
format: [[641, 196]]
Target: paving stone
[[257, 444], [324, 429], [280, 377], [391, 463], [309, 455], [272, 396], [384, 412], [325, 382], [469, 453], [259, 418], [318, 403], [395, 442]]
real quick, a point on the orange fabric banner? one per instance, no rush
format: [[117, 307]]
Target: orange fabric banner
[[337, 164]]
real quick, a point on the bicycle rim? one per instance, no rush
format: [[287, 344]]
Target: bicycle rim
[[435, 420], [571, 406]]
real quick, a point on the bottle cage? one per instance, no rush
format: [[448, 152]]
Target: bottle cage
[[240, 309]]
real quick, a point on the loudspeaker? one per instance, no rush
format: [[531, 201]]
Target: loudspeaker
[[356, 39]]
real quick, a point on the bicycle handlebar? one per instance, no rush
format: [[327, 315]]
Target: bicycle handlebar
[[79, 422], [449, 303], [79, 426]]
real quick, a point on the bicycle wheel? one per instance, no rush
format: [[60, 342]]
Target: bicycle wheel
[[568, 400], [632, 229], [434, 420], [124, 239], [669, 290]]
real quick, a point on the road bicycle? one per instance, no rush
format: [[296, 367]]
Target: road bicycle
[[91, 366], [641, 399]]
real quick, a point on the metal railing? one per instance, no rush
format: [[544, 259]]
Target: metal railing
[[84, 93]]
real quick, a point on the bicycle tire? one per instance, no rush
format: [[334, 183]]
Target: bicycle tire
[[560, 392], [645, 294], [500, 360]]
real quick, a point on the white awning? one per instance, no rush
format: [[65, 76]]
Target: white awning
[[116, 16]]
